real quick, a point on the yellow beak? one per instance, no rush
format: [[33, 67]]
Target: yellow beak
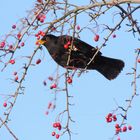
[[40, 42]]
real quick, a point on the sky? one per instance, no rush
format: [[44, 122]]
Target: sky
[[93, 95]]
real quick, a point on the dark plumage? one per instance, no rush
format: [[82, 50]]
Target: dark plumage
[[79, 55]]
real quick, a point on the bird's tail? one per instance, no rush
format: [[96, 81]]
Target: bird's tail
[[109, 67]]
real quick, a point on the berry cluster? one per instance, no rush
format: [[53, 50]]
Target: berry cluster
[[19, 35], [53, 83], [41, 17], [118, 128], [39, 35], [110, 117], [58, 126]]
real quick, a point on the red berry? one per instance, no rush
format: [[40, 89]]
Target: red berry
[[53, 133], [58, 124], [38, 37], [96, 38], [11, 47], [69, 43], [19, 35], [69, 80], [16, 78], [117, 126], [118, 130], [4, 104], [22, 44], [53, 86], [38, 17], [78, 27], [41, 20], [39, 32], [2, 44], [114, 118], [14, 26], [108, 120], [57, 136], [109, 115], [124, 129], [66, 46], [59, 128], [55, 125], [38, 61], [114, 36], [139, 60], [129, 127], [42, 34], [12, 61], [41, 17], [37, 43]]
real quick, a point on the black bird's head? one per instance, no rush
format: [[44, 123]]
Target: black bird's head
[[46, 39]]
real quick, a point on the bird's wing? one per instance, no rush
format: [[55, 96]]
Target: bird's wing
[[80, 45]]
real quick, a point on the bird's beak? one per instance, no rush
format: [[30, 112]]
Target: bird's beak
[[40, 42]]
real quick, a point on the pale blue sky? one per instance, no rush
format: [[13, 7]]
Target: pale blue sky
[[93, 94]]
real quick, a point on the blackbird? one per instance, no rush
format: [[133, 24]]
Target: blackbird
[[73, 53]]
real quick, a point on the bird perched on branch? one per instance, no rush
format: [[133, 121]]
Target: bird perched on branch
[[72, 53]]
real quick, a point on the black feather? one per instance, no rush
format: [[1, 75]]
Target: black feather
[[79, 54]]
